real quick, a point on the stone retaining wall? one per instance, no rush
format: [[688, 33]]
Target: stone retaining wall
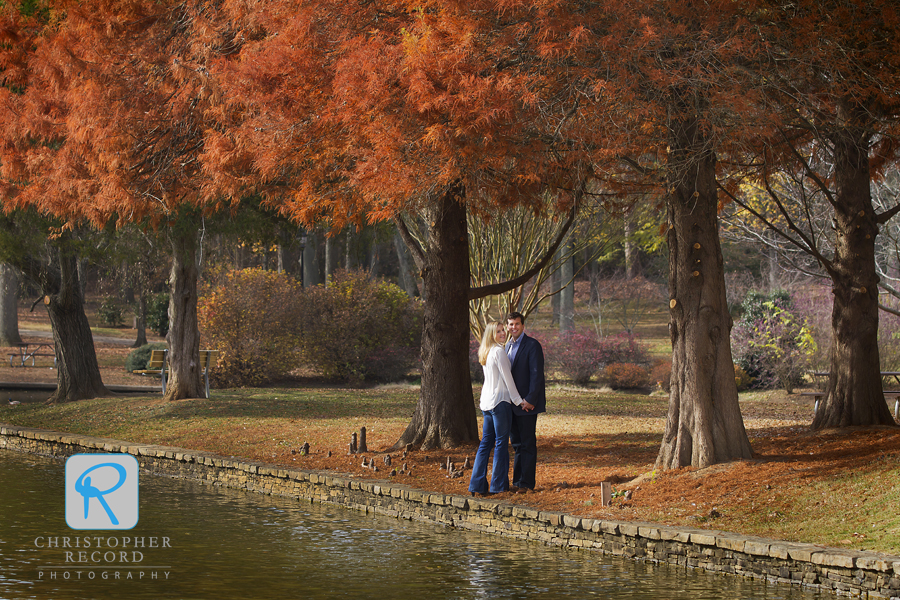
[[864, 574]]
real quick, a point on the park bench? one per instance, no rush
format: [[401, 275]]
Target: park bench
[[157, 366], [206, 357], [32, 351], [817, 396]]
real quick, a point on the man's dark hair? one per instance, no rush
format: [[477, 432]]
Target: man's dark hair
[[516, 315]]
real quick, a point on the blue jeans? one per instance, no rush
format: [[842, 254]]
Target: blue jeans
[[494, 435]]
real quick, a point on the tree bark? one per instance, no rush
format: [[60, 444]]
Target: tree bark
[[854, 395], [77, 371], [445, 413], [9, 306], [184, 333], [704, 424]]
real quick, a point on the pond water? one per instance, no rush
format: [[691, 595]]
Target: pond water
[[198, 541]]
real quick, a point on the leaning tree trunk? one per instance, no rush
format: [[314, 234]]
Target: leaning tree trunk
[[704, 424], [77, 371], [445, 413], [184, 333], [854, 395], [9, 306]]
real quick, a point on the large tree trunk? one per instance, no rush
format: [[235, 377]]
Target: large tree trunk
[[9, 306], [704, 424], [184, 333], [854, 395], [445, 414], [77, 371]]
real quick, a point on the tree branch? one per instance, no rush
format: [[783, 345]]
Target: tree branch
[[887, 309], [887, 215], [414, 248], [504, 286], [803, 243]]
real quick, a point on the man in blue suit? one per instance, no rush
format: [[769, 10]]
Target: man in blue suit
[[527, 359]]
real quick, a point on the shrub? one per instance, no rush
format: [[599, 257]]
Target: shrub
[[252, 320], [158, 313], [775, 348], [756, 304], [741, 379], [579, 356], [138, 358], [813, 305], [391, 364], [623, 348], [348, 323], [621, 376], [576, 355], [110, 312], [661, 375]]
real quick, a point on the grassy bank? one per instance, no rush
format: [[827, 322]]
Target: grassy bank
[[839, 488]]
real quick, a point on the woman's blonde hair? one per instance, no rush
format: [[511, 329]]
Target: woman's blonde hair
[[488, 341]]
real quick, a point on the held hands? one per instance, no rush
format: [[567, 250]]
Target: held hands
[[526, 406]]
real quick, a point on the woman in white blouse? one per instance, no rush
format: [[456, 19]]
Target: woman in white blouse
[[498, 392]]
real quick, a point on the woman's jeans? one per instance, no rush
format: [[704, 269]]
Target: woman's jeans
[[494, 435]]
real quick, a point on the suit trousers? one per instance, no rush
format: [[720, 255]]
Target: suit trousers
[[523, 435]]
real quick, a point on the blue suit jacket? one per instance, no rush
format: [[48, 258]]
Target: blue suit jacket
[[528, 373]]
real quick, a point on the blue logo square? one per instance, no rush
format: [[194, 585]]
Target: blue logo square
[[101, 491]]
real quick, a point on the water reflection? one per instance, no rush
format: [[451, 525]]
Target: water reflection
[[229, 544]]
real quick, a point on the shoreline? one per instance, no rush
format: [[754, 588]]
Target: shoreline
[[846, 572]]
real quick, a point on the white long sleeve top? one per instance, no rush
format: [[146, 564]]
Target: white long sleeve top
[[498, 381]]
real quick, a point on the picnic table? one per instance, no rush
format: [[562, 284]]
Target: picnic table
[[884, 375], [31, 351], [818, 395]]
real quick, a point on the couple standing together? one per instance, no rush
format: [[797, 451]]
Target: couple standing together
[[511, 399]]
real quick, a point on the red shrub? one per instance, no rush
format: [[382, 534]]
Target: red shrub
[[626, 375], [661, 375], [576, 355]]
